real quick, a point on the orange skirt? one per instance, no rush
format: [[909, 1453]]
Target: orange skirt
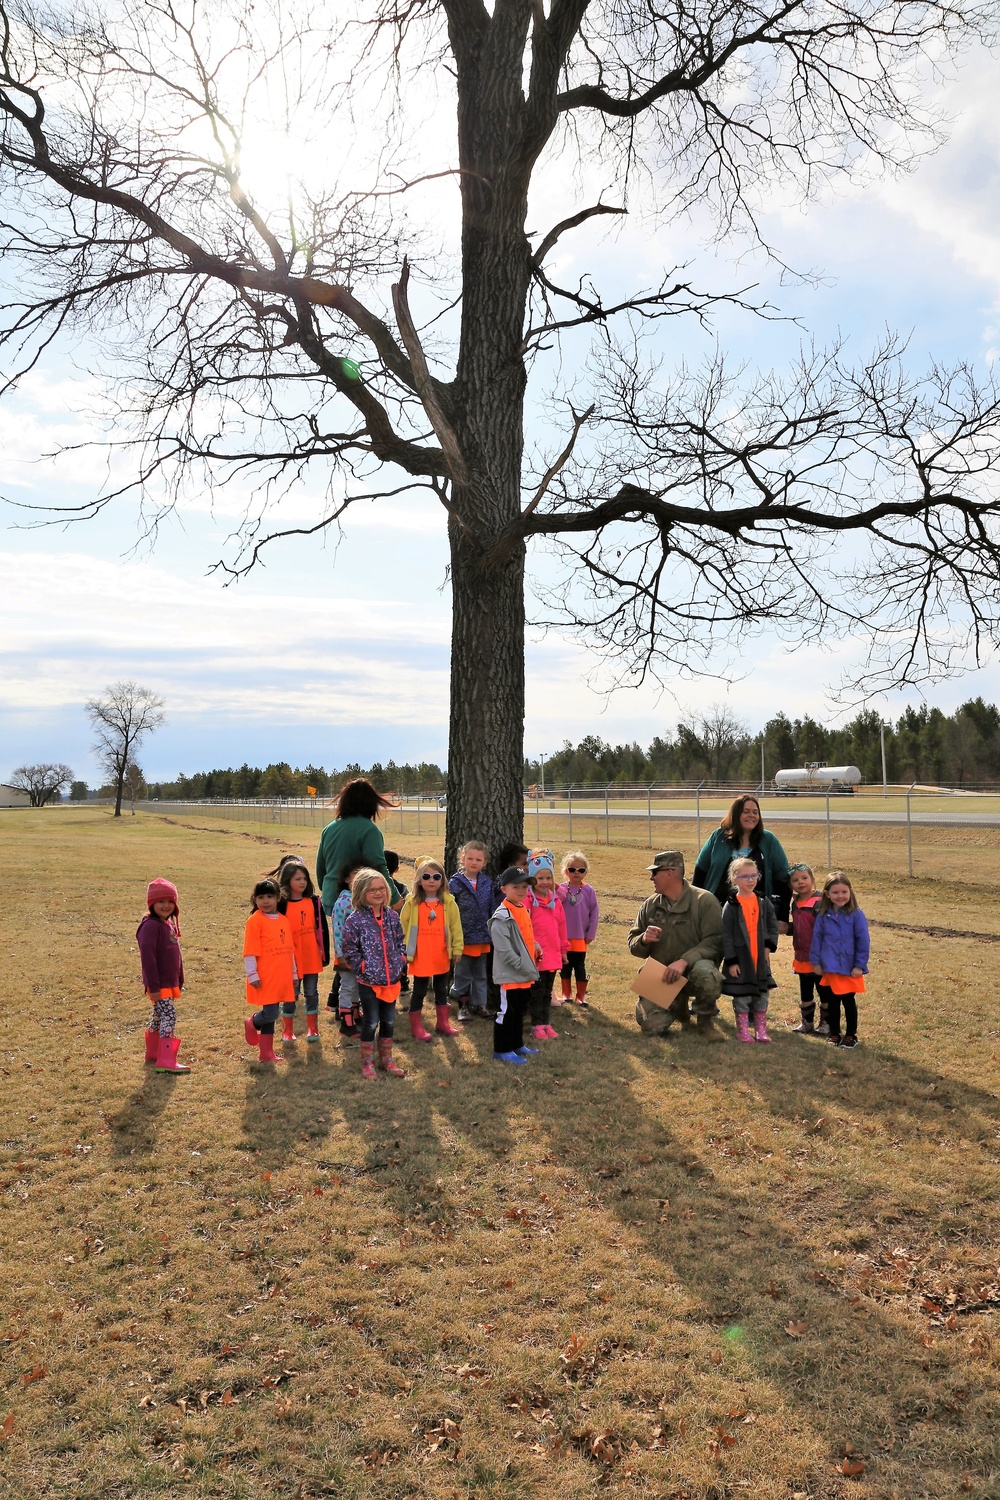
[[576, 945], [173, 993], [844, 984], [799, 966], [387, 993], [475, 950]]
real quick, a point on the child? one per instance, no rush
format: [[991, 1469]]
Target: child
[[579, 902], [514, 968], [432, 932], [373, 946], [472, 888], [159, 939], [749, 930], [805, 902], [348, 999], [548, 923], [311, 937], [512, 856], [269, 960], [392, 865], [839, 952]]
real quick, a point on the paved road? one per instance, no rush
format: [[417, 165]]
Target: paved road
[[709, 815]]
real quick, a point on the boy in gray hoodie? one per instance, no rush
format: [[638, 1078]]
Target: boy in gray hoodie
[[514, 966]]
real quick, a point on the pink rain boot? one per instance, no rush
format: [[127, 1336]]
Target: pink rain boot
[[267, 1052], [385, 1061], [288, 1029], [368, 1060], [152, 1046], [312, 1028], [418, 1030], [551, 1033], [760, 1026], [444, 1026], [166, 1061], [251, 1033], [743, 1026]]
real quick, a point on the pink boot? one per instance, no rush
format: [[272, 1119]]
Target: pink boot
[[418, 1030], [267, 1052], [251, 1033], [743, 1026], [444, 1026], [312, 1028], [152, 1046], [540, 1033], [760, 1026], [368, 1060], [288, 1029], [166, 1061], [385, 1061], [551, 1033]]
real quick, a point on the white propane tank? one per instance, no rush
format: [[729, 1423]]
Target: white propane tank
[[819, 779]]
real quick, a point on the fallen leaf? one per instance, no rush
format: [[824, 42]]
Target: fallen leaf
[[797, 1330], [930, 1306], [38, 1373], [227, 1398], [951, 1322], [773, 1290], [715, 1355], [6, 1427], [927, 1341], [851, 1468], [725, 1438]]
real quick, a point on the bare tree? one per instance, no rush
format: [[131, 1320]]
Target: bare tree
[[122, 717], [721, 739], [134, 783], [42, 783], [276, 341]]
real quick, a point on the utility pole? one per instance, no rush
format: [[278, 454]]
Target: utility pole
[[881, 735], [542, 759]]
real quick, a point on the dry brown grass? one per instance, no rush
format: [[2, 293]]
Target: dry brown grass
[[633, 1266]]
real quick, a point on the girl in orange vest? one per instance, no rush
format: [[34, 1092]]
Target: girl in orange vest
[[269, 960], [432, 932], [311, 937]]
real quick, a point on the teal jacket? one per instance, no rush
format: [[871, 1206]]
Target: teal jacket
[[345, 841], [716, 856]]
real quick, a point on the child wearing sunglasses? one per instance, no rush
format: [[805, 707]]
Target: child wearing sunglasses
[[432, 933], [579, 902]]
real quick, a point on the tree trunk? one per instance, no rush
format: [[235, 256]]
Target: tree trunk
[[486, 733], [119, 788]]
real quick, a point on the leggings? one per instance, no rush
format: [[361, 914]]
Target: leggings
[[809, 988], [164, 1018], [421, 983], [540, 998], [850, 1014], [377, 1015], [576, 963], [309, 984], [265, 1018]]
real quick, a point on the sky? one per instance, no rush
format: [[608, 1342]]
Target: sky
[[338, 649]]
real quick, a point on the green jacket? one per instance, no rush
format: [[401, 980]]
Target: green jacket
[[717, 854], [691, 928], [342, 842]]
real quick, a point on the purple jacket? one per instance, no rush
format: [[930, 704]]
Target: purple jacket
[[840, 942], [580, 906], [160, 952], [363, 950], [475, 907]]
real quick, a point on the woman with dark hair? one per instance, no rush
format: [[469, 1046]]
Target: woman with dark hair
[[352, 838], [742, 834]]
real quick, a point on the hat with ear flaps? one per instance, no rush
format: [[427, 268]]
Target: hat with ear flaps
[[541, 859]]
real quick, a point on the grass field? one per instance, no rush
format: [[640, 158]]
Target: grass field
[[638, 1267]]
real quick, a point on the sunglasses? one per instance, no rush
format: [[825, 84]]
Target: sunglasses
[[576, 869], [430, 876]]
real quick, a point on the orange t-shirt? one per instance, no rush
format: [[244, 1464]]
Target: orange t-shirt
[[301, 918], [269, 940], [577, 945], [522, 917], [475, 950], [431, 956], [750, 907]]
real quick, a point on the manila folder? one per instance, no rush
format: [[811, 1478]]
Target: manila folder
[[650, 984]]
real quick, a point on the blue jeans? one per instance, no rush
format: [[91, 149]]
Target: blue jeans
[[377, 1015], [469, 983], [265, 1018], [309, 984]]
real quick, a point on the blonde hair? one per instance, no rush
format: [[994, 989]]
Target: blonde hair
[[574, 857], [837, 877], [474, 844], [362, 884], [426, 863], [740, 864]]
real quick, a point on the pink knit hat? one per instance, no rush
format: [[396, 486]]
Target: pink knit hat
[[161, 890]]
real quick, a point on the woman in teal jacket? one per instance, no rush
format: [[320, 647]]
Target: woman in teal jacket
[[352, 838], [742, 832]]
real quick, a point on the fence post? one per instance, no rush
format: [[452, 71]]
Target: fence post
[[829, 846], [909, 830], [649, 813], [419, 800], [538, 815], [569, 796], [607, 818], [437, 816], [697, 798], [402, 804]]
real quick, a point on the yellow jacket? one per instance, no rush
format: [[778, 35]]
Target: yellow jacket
[[452, 925]]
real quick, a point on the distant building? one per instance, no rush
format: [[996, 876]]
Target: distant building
[[12, 796]]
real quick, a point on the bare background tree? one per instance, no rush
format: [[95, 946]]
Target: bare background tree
[[134, 783], [268, 334], [122, 717], [42, 783]]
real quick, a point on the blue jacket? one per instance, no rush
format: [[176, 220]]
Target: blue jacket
[[475, 907], [840, 942]]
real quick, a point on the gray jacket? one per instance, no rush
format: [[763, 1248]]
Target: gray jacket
[[512, 963]]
